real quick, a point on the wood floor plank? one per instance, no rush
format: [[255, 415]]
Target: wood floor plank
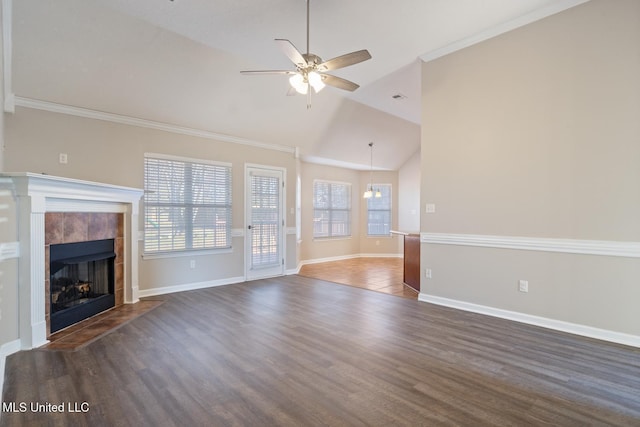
[[295, 351]]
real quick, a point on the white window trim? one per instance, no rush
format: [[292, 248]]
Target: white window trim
[[186, 252], [375, 236], [333, 238], [187, 159]]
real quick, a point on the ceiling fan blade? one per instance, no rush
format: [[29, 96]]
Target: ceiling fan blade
[[339, 82], [268, 72], [292, 53], [345, 60]]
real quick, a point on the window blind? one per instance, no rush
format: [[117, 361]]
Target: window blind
[[379, 212], [187, 205], [331, 209]]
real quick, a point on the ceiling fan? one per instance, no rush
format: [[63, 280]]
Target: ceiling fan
[[311, 70]]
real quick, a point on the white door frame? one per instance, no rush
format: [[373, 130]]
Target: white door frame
[[269, 272]]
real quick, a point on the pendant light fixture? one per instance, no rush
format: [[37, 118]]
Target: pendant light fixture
[[371, 192]]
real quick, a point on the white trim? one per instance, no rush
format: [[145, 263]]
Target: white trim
[[489, 33], [7, 56], [6, 349], [388, 255], [280, 173], [339, 258], [345, 257], [340, 164], [37, 194], [558, 325], [328, 259], [293, 271], [142, 293], [186, 253], [53, 107], [571, 246], [9, 250], [159, 156], [328, 181]]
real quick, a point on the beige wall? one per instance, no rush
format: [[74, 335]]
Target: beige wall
[[535, 133], [113, 153], [409, 195], [379, 245], [8, 270], [327, 248], [359, 243], [2, 94]]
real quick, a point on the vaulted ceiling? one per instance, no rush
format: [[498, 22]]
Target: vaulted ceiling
[[178, 62]]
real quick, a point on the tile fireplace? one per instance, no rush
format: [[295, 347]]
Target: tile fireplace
[[81, 281], [56, 211]]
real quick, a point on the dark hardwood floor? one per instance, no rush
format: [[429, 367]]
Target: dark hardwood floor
[[295, 351]]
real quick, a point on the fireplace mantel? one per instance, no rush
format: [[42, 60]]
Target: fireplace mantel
[[37, 194]]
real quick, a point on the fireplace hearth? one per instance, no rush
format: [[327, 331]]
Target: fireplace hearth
[[81, 281], [52, 210]]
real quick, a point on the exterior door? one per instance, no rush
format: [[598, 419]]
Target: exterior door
[[264, 222]]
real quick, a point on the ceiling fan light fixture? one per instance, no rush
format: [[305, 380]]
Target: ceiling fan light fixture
[[298, 82], [310, 69], [371, 192], [315, 80]]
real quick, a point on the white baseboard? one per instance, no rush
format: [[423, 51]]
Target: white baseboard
[[344, 257], [6, 349], [558, 325], [381, 255], [188, 287], [293, 270]]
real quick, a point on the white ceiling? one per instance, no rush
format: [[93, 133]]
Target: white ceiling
[[178, 62]]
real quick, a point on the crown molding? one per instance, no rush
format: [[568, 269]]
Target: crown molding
[[489, 33], [53, 107], [571, 246]]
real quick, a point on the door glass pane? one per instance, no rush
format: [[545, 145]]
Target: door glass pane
[[265, 224]]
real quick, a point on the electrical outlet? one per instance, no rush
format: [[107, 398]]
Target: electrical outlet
[[427, 273], [523, 286], [192, 263], [430, 208], [63, 158]]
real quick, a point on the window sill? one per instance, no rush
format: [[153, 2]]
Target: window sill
[[330, 239], [188, 253]]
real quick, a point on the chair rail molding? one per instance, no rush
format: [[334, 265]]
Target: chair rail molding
[[571, 246]]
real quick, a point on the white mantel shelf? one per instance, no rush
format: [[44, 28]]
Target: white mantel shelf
[[68, 188], [37, 194]]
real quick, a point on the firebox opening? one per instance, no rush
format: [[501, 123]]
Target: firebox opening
[[81, 281]]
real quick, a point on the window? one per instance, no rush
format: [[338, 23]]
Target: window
[[331, 209], [187, 204], [379, 212]]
